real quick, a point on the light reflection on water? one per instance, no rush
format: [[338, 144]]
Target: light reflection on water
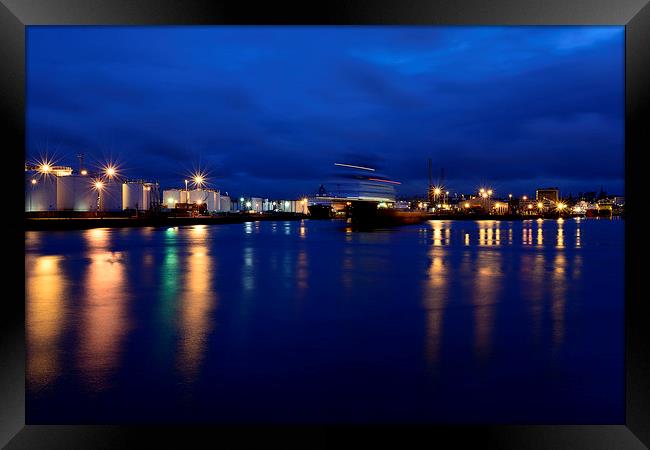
[[46, 288], [205, 306], [103, 314]]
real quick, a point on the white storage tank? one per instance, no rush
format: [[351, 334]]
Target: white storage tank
[[40, 191], [76, 193], [110, 196], [139, 195], [132, 196], [225, 203], [209, 197], [172, 196]]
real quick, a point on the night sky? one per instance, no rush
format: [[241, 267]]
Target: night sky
[[268, 110]]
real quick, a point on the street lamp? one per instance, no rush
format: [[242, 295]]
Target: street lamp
[[187, 193], [32, 193], [99, 185]]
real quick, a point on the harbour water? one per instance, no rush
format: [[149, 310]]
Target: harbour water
[[310, 321]]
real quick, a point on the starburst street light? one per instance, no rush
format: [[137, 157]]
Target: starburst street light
[[109, 171], [198, 179]]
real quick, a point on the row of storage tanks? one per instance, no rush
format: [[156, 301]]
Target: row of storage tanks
[[75, 192], [78, 193]]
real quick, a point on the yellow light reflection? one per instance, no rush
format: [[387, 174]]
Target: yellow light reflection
[[437, 232], [104, 320], [435, 295], [558, 301], [45, 289], [487, 285], [197, 300]]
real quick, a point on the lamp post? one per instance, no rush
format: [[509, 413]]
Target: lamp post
[[31, 194], [187, 193]]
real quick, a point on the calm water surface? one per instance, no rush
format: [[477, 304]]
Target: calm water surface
[[310, 322]]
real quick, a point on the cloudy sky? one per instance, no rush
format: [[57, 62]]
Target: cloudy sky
[[268, 110]]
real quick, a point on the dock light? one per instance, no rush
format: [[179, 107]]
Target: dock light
[[509, 195], [489, 192], [481, 190], [241, 199], [530, 206], [466, 205], [99, 185], [34, 181], [348, 203], [446, 192], [561, 206], [248, 204], [198, 180], [45, 168], [497, 205], [437, 191], [304, 201], [525, 197], [540, 205], [484, 195], [84, 172]]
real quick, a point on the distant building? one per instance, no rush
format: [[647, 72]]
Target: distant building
[[552, 194]]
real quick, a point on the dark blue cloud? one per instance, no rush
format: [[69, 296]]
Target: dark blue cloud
[[268, 110]]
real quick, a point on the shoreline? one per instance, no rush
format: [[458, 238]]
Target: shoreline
[[84, 223]]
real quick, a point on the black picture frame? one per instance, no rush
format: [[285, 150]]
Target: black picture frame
[[15, 15]]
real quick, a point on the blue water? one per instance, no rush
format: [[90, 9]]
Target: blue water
[[301, 322]]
